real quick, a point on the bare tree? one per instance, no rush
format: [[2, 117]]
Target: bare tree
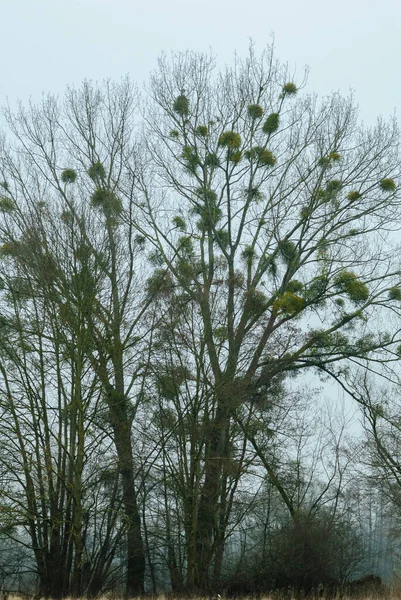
[[67, 177], [268, 212]]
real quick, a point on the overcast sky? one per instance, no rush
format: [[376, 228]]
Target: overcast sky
[[47, 44]]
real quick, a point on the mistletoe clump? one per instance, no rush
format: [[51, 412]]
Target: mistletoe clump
[[67, 217], [255, 111], [333, 186], [140, 241], [220, 334], [257, 302], [160, 283], [394, 293], [320, 338], [68, 176], [263, 156], [209, 211], [11, 248], [97, 172], [212, 160], [235, 157], [322, 195], [353, 196], [185, 246], [327, 161], [267, 158], [6, 204], [222, 238], [181, 105], [316, 291], [188, 268], [106, 201], [388, 185], [288, 251], [295, 286], [289, 303], [347, 282], [208, 196], [191, 158], [271, 124], [248, 254], [324, 161], [305, 212], [179, 223], [290, 89], [202, 131], [254, 194], [230, 140]]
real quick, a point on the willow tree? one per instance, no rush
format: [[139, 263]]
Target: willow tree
[[269, 210], [72, 232]]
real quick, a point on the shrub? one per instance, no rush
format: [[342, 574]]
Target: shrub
[[312, 550]]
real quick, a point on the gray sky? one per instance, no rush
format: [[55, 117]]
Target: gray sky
[[47, 44]]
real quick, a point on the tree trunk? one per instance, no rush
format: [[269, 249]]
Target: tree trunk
[[209, 500], [122, 438]]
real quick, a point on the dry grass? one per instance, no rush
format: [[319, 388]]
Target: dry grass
[[385, 594]]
